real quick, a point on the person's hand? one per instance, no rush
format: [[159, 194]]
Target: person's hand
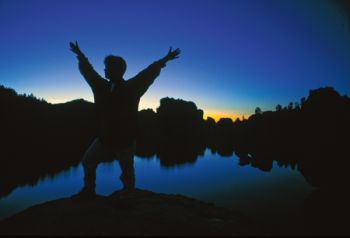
[[172, 54], [75, 48]]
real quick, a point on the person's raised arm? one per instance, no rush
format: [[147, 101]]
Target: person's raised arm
[[170, 56], [147, 76], [86, 69]]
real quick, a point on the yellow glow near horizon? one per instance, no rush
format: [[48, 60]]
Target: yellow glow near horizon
[[56, 100], [66, 97], [217, 115], [152, 103], [147, 102]]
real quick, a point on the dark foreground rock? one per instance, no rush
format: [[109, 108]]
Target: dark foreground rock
[[139, 212]]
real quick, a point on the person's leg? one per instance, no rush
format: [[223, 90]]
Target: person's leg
[[126, 163], [92, 157], [89, 162]]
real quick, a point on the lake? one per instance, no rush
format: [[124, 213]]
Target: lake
[[274, 197]]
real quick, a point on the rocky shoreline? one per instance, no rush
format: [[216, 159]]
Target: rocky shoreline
[[132, 213]]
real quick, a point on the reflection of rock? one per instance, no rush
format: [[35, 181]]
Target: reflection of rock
[[255, 161], [243, 162], [244, 158], [129, 213], [177, 152], [262, 164]]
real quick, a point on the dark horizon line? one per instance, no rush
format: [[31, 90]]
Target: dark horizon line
[[90, 102]]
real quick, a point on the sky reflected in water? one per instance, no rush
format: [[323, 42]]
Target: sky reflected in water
[[277, 195]]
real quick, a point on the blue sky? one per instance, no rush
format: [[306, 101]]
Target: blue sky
[[236, 55]]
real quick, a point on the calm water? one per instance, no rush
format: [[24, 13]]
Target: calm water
[[274, 197]]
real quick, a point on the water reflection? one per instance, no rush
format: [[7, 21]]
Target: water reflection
[[171, 151], [212, 178], [325, 209], [235, 182]]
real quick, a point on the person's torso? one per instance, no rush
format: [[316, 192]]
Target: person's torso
[[117, 109]]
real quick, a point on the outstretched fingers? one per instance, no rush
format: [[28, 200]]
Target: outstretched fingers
[[75, 47], [177, 51], [76, 44]]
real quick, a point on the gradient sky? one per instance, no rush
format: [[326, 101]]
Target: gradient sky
[[236, 55]]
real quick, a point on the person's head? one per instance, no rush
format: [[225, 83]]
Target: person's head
[[115, 67]]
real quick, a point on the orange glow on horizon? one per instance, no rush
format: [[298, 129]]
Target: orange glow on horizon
[[217, 115], [153, 104]]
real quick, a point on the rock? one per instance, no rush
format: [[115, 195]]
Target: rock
[[136, 212]]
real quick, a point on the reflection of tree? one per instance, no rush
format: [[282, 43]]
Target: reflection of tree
[[179, 152]]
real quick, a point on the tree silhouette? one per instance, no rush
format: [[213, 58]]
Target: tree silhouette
[[258, 111], [278, 107]]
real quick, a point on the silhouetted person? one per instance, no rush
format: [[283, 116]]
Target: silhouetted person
[[116, 102]]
